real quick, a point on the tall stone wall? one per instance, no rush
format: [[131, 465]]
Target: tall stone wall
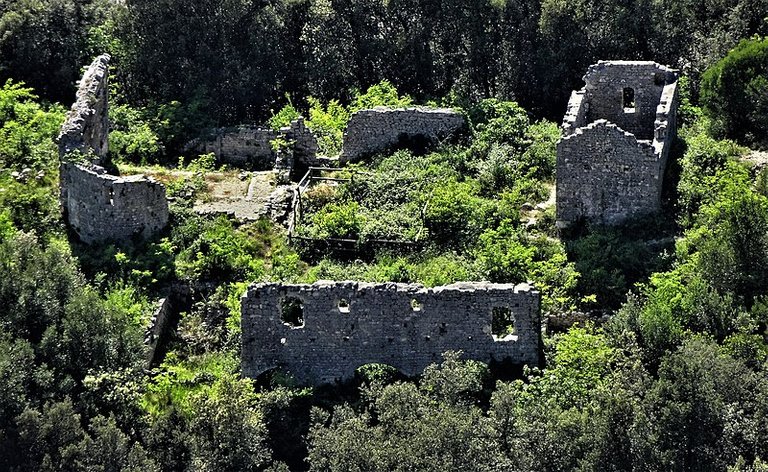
[[374, 131], [611, 159], [87, 126], [348, 324], [101, 207]]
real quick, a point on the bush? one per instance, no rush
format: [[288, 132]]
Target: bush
[[734, 94]]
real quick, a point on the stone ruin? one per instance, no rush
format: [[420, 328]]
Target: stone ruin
[[99, 206], [378, 130], [617, 134], [321, 333], [250, 147], [368, 132]]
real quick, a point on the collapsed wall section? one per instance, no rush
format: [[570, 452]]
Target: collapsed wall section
[[321, 333], [380, 129], [96, 205], [86, 127], [251, 147]]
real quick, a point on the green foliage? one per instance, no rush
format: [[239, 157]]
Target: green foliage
[[327, 123], [27, 129], [734, 91], [132, 138], [284, 116], [339, 220], [382, 94]]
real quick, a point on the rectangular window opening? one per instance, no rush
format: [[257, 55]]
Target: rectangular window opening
[[628, 98], [503, 324]]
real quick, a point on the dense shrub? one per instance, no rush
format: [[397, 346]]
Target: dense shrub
[[734, 93]]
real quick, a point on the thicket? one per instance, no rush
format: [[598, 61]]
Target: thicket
[[676, 380], [734, 91]]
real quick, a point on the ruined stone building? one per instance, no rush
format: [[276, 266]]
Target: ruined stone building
[[617, 134], [321, 333], [96, 205]]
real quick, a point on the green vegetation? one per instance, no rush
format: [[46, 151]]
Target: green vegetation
[[670, 374]]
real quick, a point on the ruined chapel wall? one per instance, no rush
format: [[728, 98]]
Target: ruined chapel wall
[[382, 326], [377, 130], [86, 126], [576, 113], [604, 174], [605, 84], [102, 207]]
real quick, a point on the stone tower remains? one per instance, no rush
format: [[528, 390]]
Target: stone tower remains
[[617, 134]]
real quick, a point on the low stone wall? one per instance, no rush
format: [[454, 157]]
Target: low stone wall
[[101, 207], [344, 325], [374, 131], [87, 126], [250, 147]]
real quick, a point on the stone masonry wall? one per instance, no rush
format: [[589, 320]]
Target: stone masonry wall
[[348, 324], [606, 174], [611, 159], [605, 84], [373, 131], [86, 127], [102, 207], [250, 147], [99, 206]]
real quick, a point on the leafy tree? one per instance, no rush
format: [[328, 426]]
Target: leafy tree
[[734, 91]]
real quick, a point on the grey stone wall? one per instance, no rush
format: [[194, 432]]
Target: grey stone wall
[[611, 160], [250, 147], [87, 126], [101, 207], [373, 131], [605, 84], [348, 324]]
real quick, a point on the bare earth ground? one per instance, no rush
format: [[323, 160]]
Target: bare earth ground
[[237, 193]]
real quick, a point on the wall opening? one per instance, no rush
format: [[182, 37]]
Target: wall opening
[[628, 99], [292, 312], [502, 324], [415, 305], [343, 305]]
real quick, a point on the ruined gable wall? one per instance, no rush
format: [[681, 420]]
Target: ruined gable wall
[[382, 326], [103, 207], [87, 126], [99, 206], [605, 84], [604, 174], [373, 131]]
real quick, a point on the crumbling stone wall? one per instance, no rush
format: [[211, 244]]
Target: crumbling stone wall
[[617, 134], [250, 147], [102, 207], [374, 131], [348, 324], [99, 206], [87, 126]]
